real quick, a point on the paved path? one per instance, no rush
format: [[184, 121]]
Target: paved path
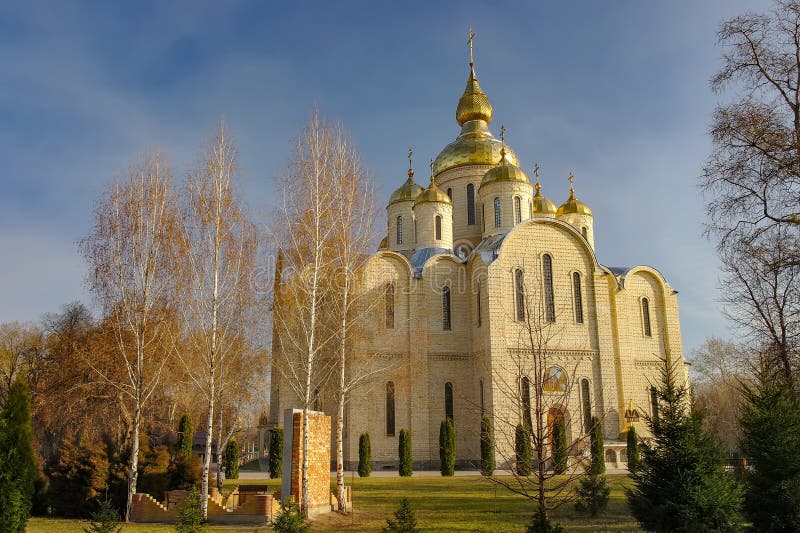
[[417, 473]]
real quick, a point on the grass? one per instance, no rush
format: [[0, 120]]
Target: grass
[[440, 504]]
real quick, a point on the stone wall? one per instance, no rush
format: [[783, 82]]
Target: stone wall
[[319, 459]]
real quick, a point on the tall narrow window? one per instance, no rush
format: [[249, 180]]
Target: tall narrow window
[[478, 304], [390, 306], [526, 402], [517, 210], [483, 217], [549, 297], [415, 230], [585, 233], [498, 218], [576, 291], [438, 223], [450, 193], [390, 408], [448, 401], [519, 295], [654, 402], [399, 230], [586, 403], [315, 400], [470, 204], [446, 324], [646, 317], [483, 410]]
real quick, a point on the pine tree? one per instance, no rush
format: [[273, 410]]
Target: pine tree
[[104, 520], [487, 447], [770, 441], [542, 524], [290, 519], [276, 453], [522, 447], [559, 447], [405, 520], [17, 461], [190, 514], [364, 455], [633, 450], [232, 459], [681, 484], [447, 447], [404, 450], [185, 436], [592, 491]]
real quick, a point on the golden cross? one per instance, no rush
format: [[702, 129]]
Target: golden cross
[[536, 169], [503, 133], [410, 153], [432, 179], [571, 177], [469, 42]]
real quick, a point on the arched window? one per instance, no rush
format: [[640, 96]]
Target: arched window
[[390, 305], [585, 233], [654, 402], [549, 297], [438, 226], [517, 210], [519, 295], [498, 218], [415, 230], [646, 317], [470, 204], [483, 217], [578, 297], [315, 400], [450, 193], [390, 408], [399, 230], [448, 401], [446, 324], [525, 391], [483, 410], [478, 304], [586, 404]]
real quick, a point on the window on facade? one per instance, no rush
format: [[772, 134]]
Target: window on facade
[[483, 410], [654, 402], [646, 317], [478, 304], [438, 227], [415, 230], [519, 295], [448, 401], [483, 217], [315, 400], [399, 230], [517, 210], [549, 297], [446, 323], [390, 305], [586, 405], [578, 297], [470, 204], [390, 408], [584, 232], [450, 193], [525, 385], [498, 218]]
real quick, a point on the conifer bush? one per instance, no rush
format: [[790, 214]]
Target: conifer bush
[[104, 520], [633, 450], [276, 453], [17, 460], [560, 455], [78, 478], [364, 455], [232, 459], [522, 448], [592, 491], [290, 519], [185, 436], [404, 522], [404, 450], [487, 447], [190, 514], [447, 447]]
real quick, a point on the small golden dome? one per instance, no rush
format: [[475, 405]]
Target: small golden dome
[[541, 205], [473, 104], [573, 205], [505, 171], [433, 194], [407, 191]]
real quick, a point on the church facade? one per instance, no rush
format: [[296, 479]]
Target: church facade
[[481, 278]]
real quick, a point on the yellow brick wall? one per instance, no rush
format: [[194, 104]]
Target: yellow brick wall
[[425, 214], [506, 191]]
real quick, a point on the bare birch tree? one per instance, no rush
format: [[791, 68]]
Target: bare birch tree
[[131, 253], [303, 233], [220, 307]]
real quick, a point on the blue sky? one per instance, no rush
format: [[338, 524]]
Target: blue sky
[[615, 91]]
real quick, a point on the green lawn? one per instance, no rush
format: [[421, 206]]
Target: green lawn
[[440, 504]]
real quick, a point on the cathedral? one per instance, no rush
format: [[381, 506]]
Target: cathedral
[[486, 286]]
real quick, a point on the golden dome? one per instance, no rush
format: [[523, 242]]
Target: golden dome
[[474, 146], [407, 191], [473, 104], [541, 205], [505, 171], [433, 194], [573, 205]]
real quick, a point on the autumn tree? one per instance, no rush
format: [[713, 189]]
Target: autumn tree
[[132, 251], [220, 307]]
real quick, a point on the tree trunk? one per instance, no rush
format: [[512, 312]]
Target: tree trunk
[[207, 457], [342, 392], [134, 464]]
